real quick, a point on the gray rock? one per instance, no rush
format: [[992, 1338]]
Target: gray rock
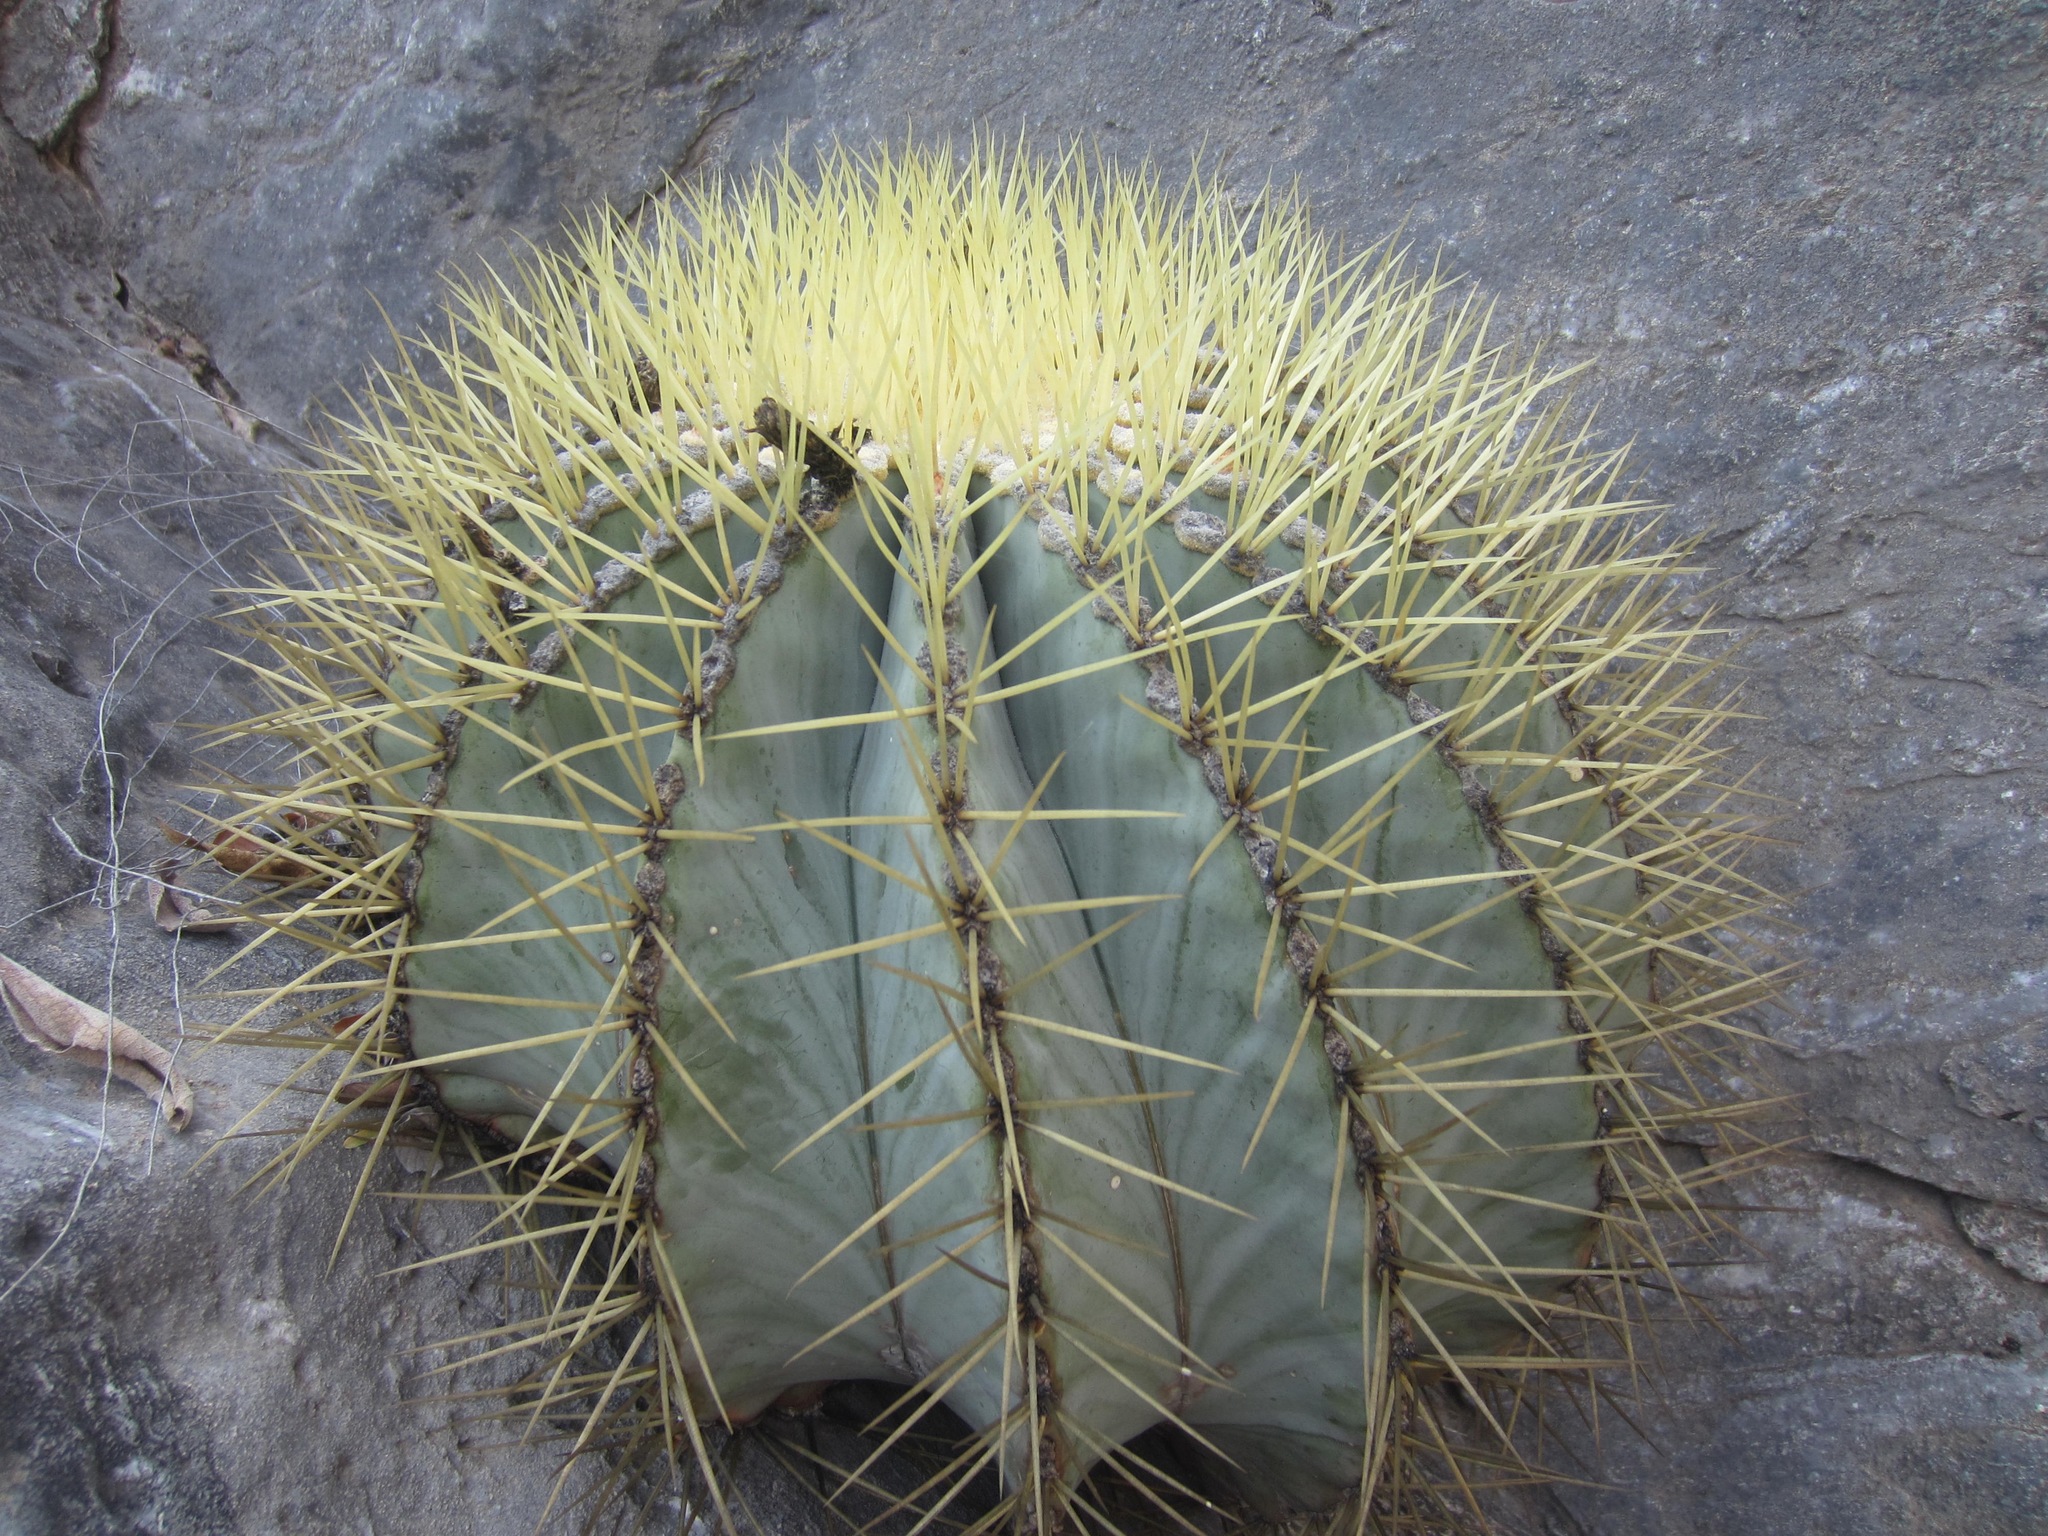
[[2017, 1238], [49, 245], [279, 181], [50, 57], [1801, 252], [1957, 1107], [1848, 1368], [1937, 1447], [2005, 1079]]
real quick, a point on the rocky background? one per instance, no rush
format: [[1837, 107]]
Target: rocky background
[[1801, 250]]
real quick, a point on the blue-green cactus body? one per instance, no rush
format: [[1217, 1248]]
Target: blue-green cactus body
[[1230, 1295], [971, 786]]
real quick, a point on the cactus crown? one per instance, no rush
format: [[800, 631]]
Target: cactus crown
[[981, 775]]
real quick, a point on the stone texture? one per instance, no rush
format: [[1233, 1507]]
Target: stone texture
[[1800, 251], [51, 52], [2013, 1235], [1861, 1371], [275, 177], [49, 237]]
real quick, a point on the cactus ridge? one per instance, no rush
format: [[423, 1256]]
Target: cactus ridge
[[977, 774]]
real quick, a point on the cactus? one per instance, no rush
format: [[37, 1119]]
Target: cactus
[[975, 775]]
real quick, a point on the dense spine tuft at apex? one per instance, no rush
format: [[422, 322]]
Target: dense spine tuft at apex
[[979, 774]]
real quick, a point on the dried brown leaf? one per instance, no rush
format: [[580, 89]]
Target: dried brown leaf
[[179, 911], [244, 853], [61, 1024]]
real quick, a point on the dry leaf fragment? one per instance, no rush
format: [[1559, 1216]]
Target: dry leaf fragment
[[364, 1094], [179, 911], [243, 853], [60, 1023]]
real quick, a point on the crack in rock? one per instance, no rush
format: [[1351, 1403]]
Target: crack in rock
[[53, 56]]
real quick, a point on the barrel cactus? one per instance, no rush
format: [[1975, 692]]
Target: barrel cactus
[[985, 776]]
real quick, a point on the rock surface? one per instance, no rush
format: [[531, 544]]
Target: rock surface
[[51, 57], [2014, 1235], [1802, 252]]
